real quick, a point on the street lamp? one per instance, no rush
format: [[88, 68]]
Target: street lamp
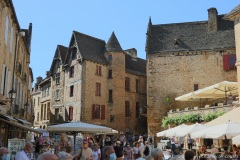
[[12, 94]]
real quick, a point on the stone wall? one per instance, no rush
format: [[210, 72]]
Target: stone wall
[[176, 73]]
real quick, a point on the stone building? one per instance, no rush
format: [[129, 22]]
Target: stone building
[[98, 83], [45, 102], [234, 15], [184, 57], [57, 84], [16, 75], [36, 100]]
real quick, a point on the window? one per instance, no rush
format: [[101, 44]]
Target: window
[[41, 112], [11, 40], [112, 118], [71, 90], [109, 73], [98, 111], [47, 91], [70, 113], [109, 57], [229, 61], [57, 114], [137, 84], [127, 84], [127, 109], [98, 89], [38, 116], [6, 31], [57, 96], [57, 78], [34, 102], [38, 100], [137, 110], [74, 52], [45, 112], [110, 96], [71, 72], [195, 87], [4, 73], [98, 70], [48, 111]]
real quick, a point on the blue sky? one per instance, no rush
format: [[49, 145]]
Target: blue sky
[[54, 20]]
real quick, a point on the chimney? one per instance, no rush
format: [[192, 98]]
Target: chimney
[[29, 37], [39, 79], [212, 19]]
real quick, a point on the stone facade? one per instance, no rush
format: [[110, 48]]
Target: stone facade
[[92, 86], [36, 99], [183, 61], [14, 62]]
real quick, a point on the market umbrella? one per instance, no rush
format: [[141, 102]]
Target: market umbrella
[[75, 127], [236, 140], [232, 116], [190, 129], [219, 90], [227, 130], [170, 132]]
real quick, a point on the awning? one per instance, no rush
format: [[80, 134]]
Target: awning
[[24, 121], [20, 126]]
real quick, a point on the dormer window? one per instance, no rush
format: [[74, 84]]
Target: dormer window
[[74, 52], [176, 42]]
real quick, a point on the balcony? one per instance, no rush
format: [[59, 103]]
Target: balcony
[[202, 110]]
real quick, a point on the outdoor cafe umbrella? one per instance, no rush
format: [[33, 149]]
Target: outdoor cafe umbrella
[[227, 130], [219, 90], [184, 131], [170, 132], [236, 140]]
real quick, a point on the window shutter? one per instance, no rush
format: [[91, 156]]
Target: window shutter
[[96, 89], [103, 112], [70, 113], [8, 83], [226, 65], [3, 77], [232, 61], [96, 69], [100, 70], [93, 111]]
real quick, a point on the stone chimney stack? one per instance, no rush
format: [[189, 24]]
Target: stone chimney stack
[[39, 79], [29, 37], [212, 19]]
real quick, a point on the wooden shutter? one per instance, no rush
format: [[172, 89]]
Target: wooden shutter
[[100, 70], [96, 69], [103, 112], [70, 113], [226, 65], [93, 111]]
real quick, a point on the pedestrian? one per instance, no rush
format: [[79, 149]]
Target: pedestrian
[[84, 153], [108, 153], [4, 154], [189, 155], [128, 152], [118, 150], [190, 142], [136, 152], [96, 152], [25, 154], [146, 149], [64, 156], [47, 156], [157, 154], [181, 142], [177, 155]]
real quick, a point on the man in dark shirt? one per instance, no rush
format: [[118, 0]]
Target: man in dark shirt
[[118, 149]]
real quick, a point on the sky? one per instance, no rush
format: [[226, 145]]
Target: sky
[[54, 20]]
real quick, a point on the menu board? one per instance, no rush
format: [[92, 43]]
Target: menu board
[[15, 146]]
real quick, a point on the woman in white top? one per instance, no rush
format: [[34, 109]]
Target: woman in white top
[[136, 151], [96, 152]]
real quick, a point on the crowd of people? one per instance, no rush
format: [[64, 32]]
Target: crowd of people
[[115, 151]]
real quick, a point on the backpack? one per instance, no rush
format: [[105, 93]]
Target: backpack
[[146, 151]]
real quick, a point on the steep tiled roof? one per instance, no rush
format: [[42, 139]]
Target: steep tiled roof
[[91, 48], [135, 65], [113, 45], [190, 36], [63, 52], [233, 12]]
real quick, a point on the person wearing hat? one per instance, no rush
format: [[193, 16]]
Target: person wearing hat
[[128, 152], [118, 150]]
